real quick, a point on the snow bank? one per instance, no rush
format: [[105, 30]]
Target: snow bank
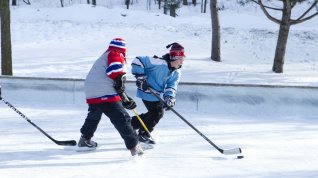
[[211, 98]]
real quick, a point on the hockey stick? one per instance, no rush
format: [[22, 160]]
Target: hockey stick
[[64, 143], [125, 98], [143, 124], [226, 152]]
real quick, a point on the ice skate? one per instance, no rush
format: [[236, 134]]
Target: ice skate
[[86, 144], [136, 151]]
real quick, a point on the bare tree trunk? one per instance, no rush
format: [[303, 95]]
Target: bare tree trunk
[[202, 6], [173, 8], [148, 5], [127, 2], [88, 2], [185, 2], [6, 51], [282, 39], [194, 2], [62, 3], [215, 51], [165, 7], [14, 2], [94, 2]]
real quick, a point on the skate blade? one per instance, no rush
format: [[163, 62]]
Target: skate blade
[[146, 146], [85, 149]]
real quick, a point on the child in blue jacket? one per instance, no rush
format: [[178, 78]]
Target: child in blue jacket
[[162, 75]]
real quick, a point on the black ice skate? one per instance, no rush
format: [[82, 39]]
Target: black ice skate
[[86, 144], [144, 137]]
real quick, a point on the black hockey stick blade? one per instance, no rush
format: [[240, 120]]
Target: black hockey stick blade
[[65, 143]]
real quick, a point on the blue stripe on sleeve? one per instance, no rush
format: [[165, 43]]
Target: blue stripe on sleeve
[[115, 67]]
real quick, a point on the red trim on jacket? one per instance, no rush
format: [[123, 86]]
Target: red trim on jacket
[[103, 99]]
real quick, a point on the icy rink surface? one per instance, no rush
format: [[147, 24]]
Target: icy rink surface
[[272, 147]]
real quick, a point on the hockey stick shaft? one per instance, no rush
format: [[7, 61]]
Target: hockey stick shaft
[[125, 98], [64, 143], [227, 152], [143, 124]]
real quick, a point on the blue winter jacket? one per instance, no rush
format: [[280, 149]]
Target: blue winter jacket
[[159, 77]]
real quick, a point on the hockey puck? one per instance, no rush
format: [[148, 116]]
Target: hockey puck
[[240, 157]]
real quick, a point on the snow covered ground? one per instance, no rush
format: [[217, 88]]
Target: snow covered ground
[[64, 42]]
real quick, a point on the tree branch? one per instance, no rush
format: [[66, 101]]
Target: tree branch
[[267, 14], [28, 2], [308, 10], [293, 4], [293, 22], [268, 7]]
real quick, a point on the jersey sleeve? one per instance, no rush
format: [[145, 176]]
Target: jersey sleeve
[[115, 65], [172, 85]]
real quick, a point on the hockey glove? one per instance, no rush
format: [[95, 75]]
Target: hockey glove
[[119, 83], [129, 103], [169, 102], [141, 82]]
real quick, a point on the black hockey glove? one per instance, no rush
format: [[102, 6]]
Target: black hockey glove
[[141, 82], [129, 103], [169, 101], [119, 83]]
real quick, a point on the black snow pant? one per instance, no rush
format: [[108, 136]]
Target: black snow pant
[[118, 117], [150, 118]]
